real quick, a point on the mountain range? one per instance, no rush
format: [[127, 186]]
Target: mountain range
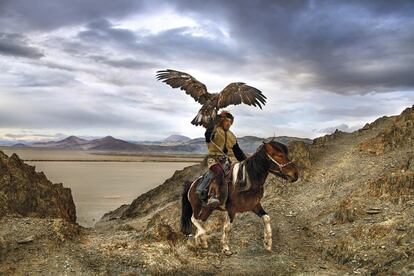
[[172, 144]]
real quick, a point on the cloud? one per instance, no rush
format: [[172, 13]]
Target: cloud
[[33, 136], [354, 111], [129, 63], [16, 45], [103, 31], [55, 80]]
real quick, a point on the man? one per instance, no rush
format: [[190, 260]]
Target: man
[[223, 149]]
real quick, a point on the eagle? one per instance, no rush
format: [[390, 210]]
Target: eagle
[[233, 94]]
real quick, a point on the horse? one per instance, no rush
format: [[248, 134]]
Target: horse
[[270, 157]]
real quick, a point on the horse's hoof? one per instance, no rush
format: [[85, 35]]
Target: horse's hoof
[[268, 247], [227, 252]]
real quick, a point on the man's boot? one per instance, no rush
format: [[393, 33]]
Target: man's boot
[[213, 201]]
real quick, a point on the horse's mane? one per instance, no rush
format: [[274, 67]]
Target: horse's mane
[[258, 164], [280, 146]]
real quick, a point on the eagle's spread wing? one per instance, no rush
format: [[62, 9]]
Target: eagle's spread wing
[[184, 81], [239, 92]]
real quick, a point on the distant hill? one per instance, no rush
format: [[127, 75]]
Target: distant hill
[[176, 138], [249, 144], [19, 145], [71, 142], [109, 143]]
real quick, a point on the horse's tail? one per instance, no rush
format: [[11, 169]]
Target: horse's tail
[[186, 210]]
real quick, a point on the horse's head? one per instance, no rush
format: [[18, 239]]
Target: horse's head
[[280, 165]]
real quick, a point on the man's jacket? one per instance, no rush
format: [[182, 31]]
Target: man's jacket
[[220, 141]]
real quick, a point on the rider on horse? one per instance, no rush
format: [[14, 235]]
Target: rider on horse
[[223, 150]]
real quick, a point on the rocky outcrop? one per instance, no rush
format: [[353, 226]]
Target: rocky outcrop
[[299, 153], [400, 134], [377, 124], [25, 192], [322, 141], [396, 187]]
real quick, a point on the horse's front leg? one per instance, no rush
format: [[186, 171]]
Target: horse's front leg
[[267, 236], [226, 231], [200, 236], [267, 233]]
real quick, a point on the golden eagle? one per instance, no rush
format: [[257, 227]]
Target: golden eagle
[[234, 93]]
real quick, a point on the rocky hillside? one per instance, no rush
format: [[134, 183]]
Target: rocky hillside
[[351, 212], [25, 192]]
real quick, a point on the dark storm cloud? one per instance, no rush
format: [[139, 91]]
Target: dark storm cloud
[[344, 47], [173, 44], [12, 44], [103, 30], [50, 14], [181, 43], [349, 47]]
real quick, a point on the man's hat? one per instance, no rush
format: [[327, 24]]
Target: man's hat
[[226, 115]]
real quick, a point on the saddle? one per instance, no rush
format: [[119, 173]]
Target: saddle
[[241, 180], [203, 182]]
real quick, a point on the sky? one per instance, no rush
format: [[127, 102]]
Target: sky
[[87, 67]]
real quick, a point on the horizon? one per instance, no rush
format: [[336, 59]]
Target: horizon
[[88, 68], [90, 138], [61, 136]]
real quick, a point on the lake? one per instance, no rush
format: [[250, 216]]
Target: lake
[[99, 187]]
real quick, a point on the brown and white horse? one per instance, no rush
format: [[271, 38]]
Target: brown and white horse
[[270, 157]]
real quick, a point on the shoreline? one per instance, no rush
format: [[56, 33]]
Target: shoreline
[[66, 155], [195, 160]]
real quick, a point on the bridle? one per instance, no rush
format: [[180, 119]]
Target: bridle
[[281, 166]]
